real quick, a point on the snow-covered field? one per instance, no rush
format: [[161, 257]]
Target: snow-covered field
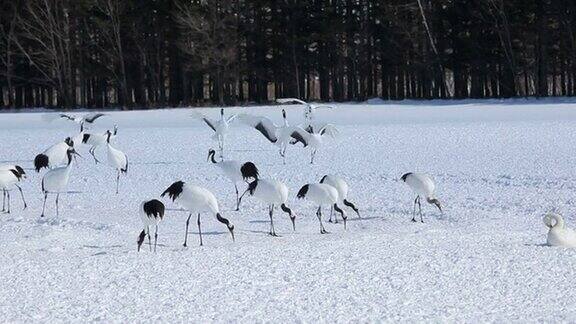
[[498, 168]]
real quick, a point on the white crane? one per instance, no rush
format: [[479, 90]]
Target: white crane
[[54, 156], [11, 175], [81, 119], [94, 140], [220, 127], [309, 109], [558, 233], [151, 213], [321, 194], [314, 139], [423, 186], [56, 180], [116, 159], [196, 200], [274, 193], [235, 171], [342, 187]]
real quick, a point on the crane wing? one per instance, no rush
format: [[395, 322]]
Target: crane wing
[[262, 124], [299, 135], [291, 100], [329, 130], [231, 118], [67, 117], [93, 117], [210, 122], [322, 106]]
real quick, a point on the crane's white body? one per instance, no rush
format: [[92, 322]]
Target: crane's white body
[[339, 184], [342, 187], [151, 213], [558, 233], [196, 200], [271, 192], [422, 184], [116, 159], [56, 180], [11, 175], [7, 179], [322, 194], [231, 169], [149, 221], [235, 171]]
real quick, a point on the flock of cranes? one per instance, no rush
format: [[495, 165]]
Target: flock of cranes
[[331, 191]]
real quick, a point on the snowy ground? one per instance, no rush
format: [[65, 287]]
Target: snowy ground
[[498, 168]]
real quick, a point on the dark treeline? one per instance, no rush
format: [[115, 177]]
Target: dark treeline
[[151, 53]]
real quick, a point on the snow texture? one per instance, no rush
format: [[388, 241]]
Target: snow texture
[[498, 166]]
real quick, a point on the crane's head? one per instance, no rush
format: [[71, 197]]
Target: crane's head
[[72, 153], [405, 176], [342, 213], [211, 153], [435, 202]]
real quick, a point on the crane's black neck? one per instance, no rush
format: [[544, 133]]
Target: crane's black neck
[[211, 155]]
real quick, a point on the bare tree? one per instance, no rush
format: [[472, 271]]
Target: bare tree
[[7, 50], [209, 33], [44, 39], [109, 24]]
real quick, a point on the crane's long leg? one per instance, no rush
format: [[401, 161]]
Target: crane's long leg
[[420, 209], [8, 193], [331, 212], [187, 222], [312, 154], [155, 238], [271, 212], [57, 197], [414, 209], [149, 239], [237, 197], [44, 205], [3, 200], [319, 215], [22, 194], [221, 147], [117, 181], [199, 229]]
